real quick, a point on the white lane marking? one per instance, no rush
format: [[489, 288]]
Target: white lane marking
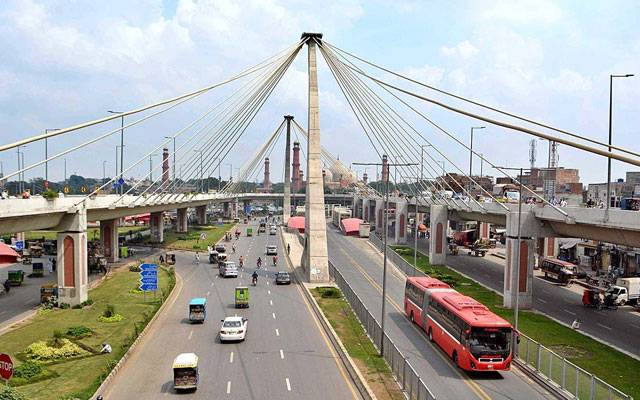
[[231, 358], [281, 354], [274, 315], [190, 334], [568, 312], [211, 283], [228, 387], [268, 291], [288, 384], [604, 326], [635, 326], [542, 301], [208, 293], [277, 332], [270, 302]]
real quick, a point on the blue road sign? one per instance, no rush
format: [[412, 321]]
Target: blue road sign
[[148, 287], [20, 245], [148, 279], [147, 267], [150, 272]]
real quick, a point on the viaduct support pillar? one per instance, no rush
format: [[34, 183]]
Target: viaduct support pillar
[[156, 222], [226, 210], [72, 258], [402, 210], [234, 209], [286, 204], [438, 235], [109, 239], [182, 223], [485, 230], [379, 218], [315, 260], [518, 272], [201, 215]]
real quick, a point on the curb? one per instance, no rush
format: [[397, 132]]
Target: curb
[[123, 359], [353, 371]]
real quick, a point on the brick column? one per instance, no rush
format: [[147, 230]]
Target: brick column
[[109, 239], [524, 281], [438, 234], [72, 259], [402, 211], [201, 215]]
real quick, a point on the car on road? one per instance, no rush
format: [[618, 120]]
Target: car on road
[[233, 329], [283, 278], [229, 269], [263, 227], [220, 248], [272, 250], [273, 231]]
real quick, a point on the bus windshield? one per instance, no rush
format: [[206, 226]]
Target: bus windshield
[[490, 341]]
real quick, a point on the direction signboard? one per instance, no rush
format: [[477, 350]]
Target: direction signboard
[[6, 367], [19, 245], [148, 277]]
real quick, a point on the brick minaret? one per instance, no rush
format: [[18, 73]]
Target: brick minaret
[[266, 186]]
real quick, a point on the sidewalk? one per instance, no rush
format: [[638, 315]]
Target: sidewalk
[[296, 259]]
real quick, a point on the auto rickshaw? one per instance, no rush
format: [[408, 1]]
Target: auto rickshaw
[[170, 258], [48, 292], [16, 277], [198, 310], [26, 257], [213, 257], [591, 298], [249, 231], [242, 297], [222, 257], [185, 372], [38, 270], [35, 250]]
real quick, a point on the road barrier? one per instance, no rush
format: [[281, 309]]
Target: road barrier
[[535, 358], [409, 380]]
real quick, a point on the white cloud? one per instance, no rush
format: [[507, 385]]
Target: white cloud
[[464, 50], [569, 82], [522, 11], [426, 74]]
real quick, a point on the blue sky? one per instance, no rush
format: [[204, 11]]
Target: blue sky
[[67, 62]]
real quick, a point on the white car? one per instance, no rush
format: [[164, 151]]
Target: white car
[[273, 231], [272, 250], [233, 329], [228, 269]]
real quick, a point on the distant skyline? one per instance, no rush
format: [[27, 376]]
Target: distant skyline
[[65, 63]]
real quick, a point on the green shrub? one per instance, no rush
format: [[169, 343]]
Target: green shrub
[[113, 318], [28, 370], [65, 306], [109, 311], [78, 332], [86, 303], [196, 247], [77, 307], [9, 393], [134, 268], [331, 293], [41, 351], [50, 194]]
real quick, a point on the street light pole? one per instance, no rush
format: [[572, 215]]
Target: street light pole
[[151, 167], [104, 173], [471, 155], [121, 145], [610, 138], [200, 185]]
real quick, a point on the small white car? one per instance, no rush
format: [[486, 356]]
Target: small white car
[[272, 250], [233, 329], [273, 231], [228, 269]]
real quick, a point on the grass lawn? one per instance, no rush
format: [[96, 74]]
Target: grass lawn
[[91, 233], [81, 377], [608, 364], [191, 239], [358, 345]]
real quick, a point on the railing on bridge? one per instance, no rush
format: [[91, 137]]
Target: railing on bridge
[[536, 358], [407, 377]]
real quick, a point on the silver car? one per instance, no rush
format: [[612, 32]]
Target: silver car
[[272, 250], [229, 269]]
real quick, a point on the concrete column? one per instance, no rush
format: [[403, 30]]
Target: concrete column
[[182, 223], [550, 248], [379, 211], [402, 211], [485, 230], [315, 260], [286, 204], [226, 209], [156, 223], [201, 215], [438, 234], [524, 281], [72, 259], [234, 209], [109, 239]]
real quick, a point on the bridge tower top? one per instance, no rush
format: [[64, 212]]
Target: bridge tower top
[[288, 117], [306, 36]]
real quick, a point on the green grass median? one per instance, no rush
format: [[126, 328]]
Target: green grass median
[[353, 337], [92, 233], [80, 376], [610, 365], [191, 240]]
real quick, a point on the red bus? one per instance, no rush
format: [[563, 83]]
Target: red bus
[[474, 337]]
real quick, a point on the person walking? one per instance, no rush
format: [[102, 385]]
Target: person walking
[[288, 249]]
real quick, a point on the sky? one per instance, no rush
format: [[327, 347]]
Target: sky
[[66, 62]]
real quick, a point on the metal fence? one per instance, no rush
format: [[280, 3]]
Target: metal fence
[[406, 376], [541, 360]]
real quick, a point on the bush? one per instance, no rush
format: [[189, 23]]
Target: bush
[[65, 306], [196, 247], [77, 307], [109, 311], [86, 303], [50, 194], [113, 318], [28, 370], [78, 332], [9, 393], [134, 268], [41, 351], [331, 293]]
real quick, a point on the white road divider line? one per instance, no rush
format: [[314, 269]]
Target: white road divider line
[[228, 387], [281, 354], [190, 334], [231, 358], [268, 291], [270, 302], [542, 301], [604, 326], [277, 332], [274, 315], [568, 312], [288, 384]]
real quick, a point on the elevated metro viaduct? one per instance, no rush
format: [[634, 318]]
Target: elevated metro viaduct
[[69, 216], [538, 223]]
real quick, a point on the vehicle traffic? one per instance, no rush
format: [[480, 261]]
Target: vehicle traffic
[[242, 297], [625, 291], [475, 338], [272, 250], [185, 372], [198, 310], [283, 278], [273, 231], [562, 271], [233, 329], [228, 269]]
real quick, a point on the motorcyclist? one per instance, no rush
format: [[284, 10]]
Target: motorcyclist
[[197, 258], [241, 261], [259, 263], [254, 278], [275, 260]]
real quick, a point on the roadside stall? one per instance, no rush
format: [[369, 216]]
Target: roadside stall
[[48, 292]]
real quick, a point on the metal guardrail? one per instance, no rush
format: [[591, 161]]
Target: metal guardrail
[[555, 369], [406, 376]]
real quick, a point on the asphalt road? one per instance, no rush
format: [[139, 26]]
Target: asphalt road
[[361, 266], [284, 356], [619, 327]]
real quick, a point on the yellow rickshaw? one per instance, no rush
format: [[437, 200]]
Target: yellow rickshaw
[[242, 297], [185, 372]]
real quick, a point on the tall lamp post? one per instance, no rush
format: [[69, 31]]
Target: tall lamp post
[[46, 155], [610, 137], [471, 155], [104, 173], [151, 167], [385, 178], [121, 145]]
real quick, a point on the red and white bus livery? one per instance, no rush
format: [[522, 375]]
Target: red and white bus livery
[[475, 338]]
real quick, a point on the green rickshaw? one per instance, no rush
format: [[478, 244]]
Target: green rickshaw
[[242, 297]]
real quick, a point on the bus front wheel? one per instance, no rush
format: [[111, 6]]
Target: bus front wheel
[[411, 316], [454, 356], [430, 334]]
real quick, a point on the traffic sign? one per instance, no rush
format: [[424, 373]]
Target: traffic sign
[[19, 245], [148, 272], [6, 367], [148, 277], [66, 189], [203, 236], [148, 287], [148, 267]]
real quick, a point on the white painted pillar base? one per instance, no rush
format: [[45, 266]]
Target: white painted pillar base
[[156, 222], [109, 239], [72, 260], [525, 278], [182, 223], [438, 235]]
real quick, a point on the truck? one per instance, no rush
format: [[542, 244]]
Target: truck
[[625, 291]]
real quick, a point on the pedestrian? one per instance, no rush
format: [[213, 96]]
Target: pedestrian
[[233, 248], [288, 249]]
